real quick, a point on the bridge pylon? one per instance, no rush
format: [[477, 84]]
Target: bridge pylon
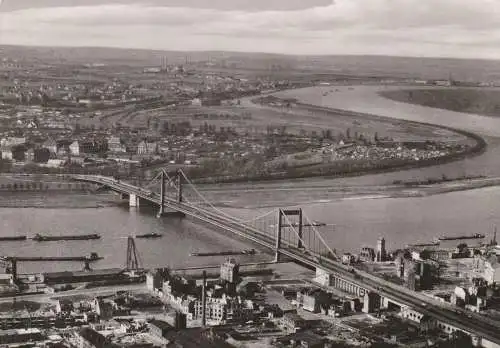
[[282, 217], [167, 181], [179, 186], [163, 177]]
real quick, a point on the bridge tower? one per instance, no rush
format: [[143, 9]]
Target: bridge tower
[[165, 182], [132, 262], [282, 217], [163, 177], [179, 186]]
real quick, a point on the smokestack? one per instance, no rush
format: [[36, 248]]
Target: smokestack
[[204, 300]]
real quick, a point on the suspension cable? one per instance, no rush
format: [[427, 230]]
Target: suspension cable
[[294, 230], [202, 197], [321, 238], [216, 209]]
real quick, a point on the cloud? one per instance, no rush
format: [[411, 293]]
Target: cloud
[[246, 5], [397, 27]]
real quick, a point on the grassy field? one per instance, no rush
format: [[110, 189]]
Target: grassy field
[[476, 101], [255, 118], [338, 121]]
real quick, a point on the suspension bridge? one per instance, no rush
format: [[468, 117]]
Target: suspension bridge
[[290, 234]]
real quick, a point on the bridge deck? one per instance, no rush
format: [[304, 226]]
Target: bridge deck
[[468, 322]]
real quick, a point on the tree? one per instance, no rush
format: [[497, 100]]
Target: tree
[[328, 134], [18, 152], [5, 165], [282, 130], [42, 155], [425, 254]]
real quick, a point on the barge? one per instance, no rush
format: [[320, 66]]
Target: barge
[[13, 238], [473, 236], [90, 258], [226, 253], [149, 235], [423, 245], [41, 238]]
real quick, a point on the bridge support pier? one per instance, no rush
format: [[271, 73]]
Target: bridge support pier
[[166, 213], [384, 302], [133, 201]]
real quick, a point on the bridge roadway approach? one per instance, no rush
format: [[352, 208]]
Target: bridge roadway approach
[[473, 324]]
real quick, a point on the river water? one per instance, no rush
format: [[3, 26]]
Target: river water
[[353, 220]]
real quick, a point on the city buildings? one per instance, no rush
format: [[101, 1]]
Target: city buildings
[[18, 336], [381, 255], [367, 254], [51, 145], [147, 148], [292, 322], [229, 271], [74, 148], [90, 338], [159, 328], [115, 145], [492, 269]]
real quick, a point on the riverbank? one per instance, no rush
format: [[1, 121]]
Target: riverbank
[[57, 199]]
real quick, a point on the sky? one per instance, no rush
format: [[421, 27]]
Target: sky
[[420, 28]]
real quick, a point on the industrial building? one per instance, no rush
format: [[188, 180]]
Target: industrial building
[[229, 271], [20, 335]]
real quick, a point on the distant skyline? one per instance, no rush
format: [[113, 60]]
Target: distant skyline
[[418, 28]]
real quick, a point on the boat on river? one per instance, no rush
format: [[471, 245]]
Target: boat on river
[[13, 238], [226, 253], [41, 238], [472, 236], [149, 235]]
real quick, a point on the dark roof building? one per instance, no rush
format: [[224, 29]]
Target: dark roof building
[[195, 338], [89, 338], [159, 328]]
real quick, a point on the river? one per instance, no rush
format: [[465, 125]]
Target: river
[[354, 219]]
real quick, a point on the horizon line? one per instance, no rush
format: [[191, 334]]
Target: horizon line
[[291, 55]]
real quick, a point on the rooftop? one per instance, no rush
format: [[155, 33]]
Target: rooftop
[[19, 332], [195, 338], [160, 324]]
